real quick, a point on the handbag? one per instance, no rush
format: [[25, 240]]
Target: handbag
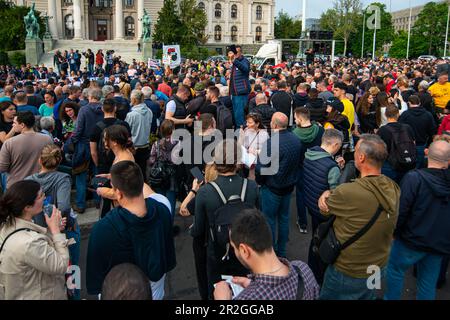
[[328, 247]]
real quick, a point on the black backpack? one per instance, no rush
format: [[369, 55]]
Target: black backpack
[[160, 173], [402, 155], [224, 118], [223, 219]]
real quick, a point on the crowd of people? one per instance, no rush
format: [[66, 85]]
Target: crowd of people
[[364, 146]]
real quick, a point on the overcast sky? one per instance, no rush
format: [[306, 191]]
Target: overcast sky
[[314, 8]]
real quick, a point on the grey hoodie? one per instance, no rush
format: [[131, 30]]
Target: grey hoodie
[[58, 185], [140, 121], [333, 175]]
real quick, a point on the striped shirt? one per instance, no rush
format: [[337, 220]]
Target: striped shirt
[[267, 287]]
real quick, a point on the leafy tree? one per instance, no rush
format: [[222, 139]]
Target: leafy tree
[[184, 26], [193, 21], [286, 27], [168, 25], [384, 35], [342, 19], [12, 27], [430, 27]]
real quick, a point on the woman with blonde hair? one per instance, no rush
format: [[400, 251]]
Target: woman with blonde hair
[[56, 187]]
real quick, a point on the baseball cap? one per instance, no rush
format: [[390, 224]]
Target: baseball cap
[[199, 86], [336, 104]]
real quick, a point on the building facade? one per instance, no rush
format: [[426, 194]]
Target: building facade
[[229, 21], [243, 22], [400, 19]]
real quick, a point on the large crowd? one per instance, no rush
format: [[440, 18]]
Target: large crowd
[[364, 145]]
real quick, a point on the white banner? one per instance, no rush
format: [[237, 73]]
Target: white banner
[[171, 56]]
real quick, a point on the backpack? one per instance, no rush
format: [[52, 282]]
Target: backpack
[[101, 149], [402, 155], [223, 219], [160, 174], [224, 118]]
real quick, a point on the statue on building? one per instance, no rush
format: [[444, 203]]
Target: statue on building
[[31, 24], [146, 26]]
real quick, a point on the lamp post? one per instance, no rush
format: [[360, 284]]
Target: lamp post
[[446, 33], [409, 29]]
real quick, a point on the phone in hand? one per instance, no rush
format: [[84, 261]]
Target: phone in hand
[[197, 174]]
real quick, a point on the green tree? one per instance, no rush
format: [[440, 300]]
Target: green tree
[[400, 43], [12, 27], [342, 19], [286, 27], [384, 35], [430, 27], [193, 21], [168, 25]]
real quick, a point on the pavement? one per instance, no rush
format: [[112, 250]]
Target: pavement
[[181, 283]]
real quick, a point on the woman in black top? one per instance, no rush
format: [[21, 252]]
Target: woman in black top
[[8, 112], [367, 114]]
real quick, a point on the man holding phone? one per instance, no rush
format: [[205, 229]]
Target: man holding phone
[[239, 82]]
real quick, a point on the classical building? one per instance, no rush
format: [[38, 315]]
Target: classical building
[[229, 21], [244, 22]]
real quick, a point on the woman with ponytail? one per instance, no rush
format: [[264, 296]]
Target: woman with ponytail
[[33, 259], [56, 187]]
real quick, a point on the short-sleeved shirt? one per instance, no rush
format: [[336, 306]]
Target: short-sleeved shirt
[[349, 112], [45, 110], [171, 106], [441, 94]]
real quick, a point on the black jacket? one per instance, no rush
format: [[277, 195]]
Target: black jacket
[[422, 123], [424, 215], [283, 102], [266, 112], [317, 109]]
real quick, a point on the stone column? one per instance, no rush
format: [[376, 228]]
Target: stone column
[[52, 22], [269, 16], [119, 19], [140, 13], [77, 19], [250, 15], [227, 22], [210, 16]]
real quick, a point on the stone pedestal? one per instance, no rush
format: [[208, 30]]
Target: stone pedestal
[[147, 50], [48, 44], [33, 50]]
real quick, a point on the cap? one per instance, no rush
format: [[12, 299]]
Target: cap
[[336, 104], [199, 86], [297, 65]]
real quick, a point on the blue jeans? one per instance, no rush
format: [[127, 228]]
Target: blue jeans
[[239, 103], [91, 70], [299, 193], [401, 259], [338, 286], [276, 208], [81, 185], [420, 150], [4, 180], [74, 253]]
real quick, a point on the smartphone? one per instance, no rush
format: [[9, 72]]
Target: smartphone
[[197, 174]]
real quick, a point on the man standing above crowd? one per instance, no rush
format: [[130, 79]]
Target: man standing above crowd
[[421, 236], [239, 83]]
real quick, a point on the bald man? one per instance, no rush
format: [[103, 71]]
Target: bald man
[[421, 236], [263, 109], [276, 172]]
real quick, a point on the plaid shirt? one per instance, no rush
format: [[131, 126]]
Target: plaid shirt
[[266, 287]]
